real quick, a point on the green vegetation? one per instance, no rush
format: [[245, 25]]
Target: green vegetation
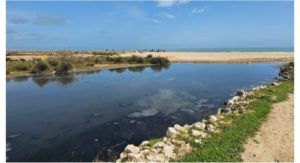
[[228, 144], [53, 63], [40, 67], [153, 141], [64, 68], [287, 71], [18, 65], [66, 64], [159, 61]]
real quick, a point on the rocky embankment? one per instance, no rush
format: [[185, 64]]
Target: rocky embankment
[[180, 140]]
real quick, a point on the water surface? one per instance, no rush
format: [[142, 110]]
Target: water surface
[[74, 118]]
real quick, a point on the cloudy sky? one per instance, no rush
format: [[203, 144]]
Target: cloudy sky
[[151, 24]]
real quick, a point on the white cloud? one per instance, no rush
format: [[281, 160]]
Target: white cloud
[[170, 3], [198, 11], [155, 21], [170, 16]]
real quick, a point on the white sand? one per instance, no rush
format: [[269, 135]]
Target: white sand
[[220, 56]]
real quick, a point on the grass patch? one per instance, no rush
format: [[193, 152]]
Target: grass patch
[[228, 145], [153, 141]]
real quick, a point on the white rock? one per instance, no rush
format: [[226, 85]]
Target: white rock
[[123, 155], [131, 149], [159, 144], [134, 157], [145, 151], [168, 151], [144, 143], [198, 141], [178, 142], [156, 158], [212, 119], [209, 128], [171, 132], [241, 93], [230, 102], [118, 160], [274, 84], [154, 150], [197, 133], [235, 98], [149, 157], [199, 125], [186, 126], [164, 139], [179, 128]]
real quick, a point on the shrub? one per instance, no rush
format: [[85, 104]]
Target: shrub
[[18, 66], [64, 68], [40, 67], [120, 60], [53, 63], [22, 59], [98, 60], [287, 70], [149, 56], [90, 64], [8, 59], [160, 61], [136, 59]]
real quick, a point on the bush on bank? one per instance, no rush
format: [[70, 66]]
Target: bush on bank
[[64, 68], [18, 65], [40, 67]]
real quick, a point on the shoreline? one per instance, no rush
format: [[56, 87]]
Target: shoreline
[[183, 142]]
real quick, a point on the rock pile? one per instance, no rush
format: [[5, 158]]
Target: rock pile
[[179, 140]]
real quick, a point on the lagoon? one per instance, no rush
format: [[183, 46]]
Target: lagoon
[[74, 118]]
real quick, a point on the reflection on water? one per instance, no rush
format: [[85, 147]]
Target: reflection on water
[[65, 80], [76, 117], [60, 80], [159, 68], [21, 79], [118, 70]]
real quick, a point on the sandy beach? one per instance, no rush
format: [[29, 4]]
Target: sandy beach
[[219, 57], [204, 57]]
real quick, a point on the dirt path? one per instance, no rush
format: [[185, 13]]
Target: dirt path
[[275, 140]]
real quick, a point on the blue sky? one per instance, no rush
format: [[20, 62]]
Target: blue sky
[[150, 24]]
